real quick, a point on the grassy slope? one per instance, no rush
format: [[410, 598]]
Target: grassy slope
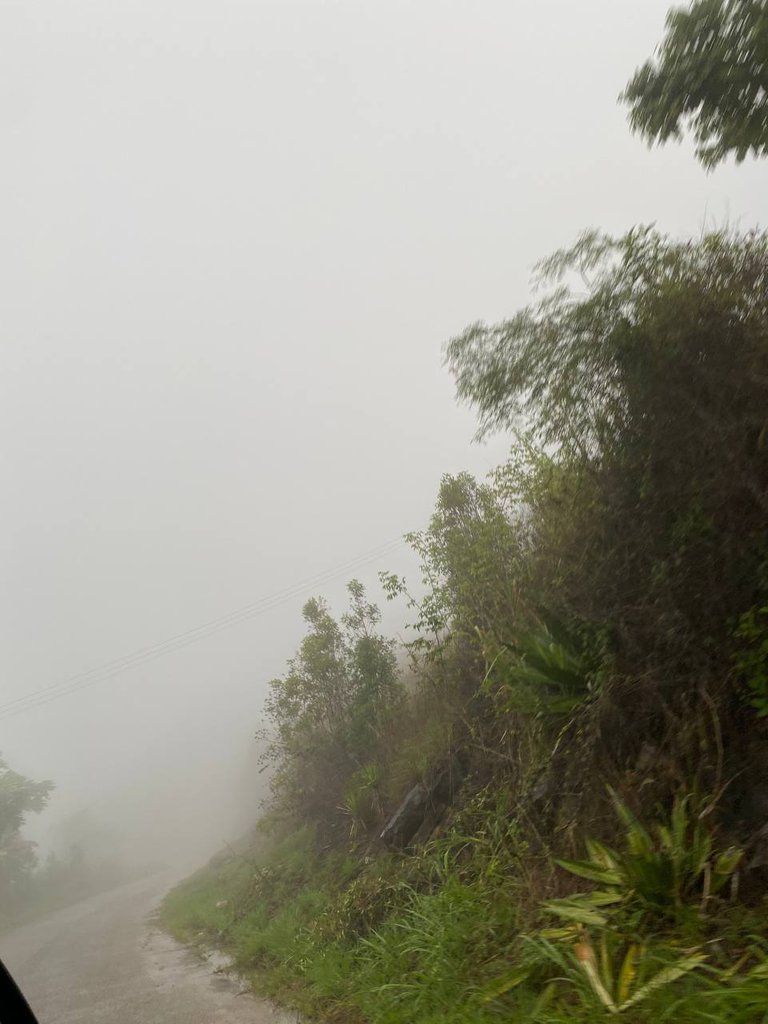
[[304, 932], [448, 934]]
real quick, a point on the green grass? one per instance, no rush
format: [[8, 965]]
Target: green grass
[[449, 935]]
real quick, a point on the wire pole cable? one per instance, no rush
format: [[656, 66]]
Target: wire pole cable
[[110, 669]]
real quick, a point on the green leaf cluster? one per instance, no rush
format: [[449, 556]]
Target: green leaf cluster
[[711, 76]]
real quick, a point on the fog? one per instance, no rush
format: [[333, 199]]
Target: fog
[[235, 238]]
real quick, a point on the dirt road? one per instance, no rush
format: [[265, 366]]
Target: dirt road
[[103, 961]]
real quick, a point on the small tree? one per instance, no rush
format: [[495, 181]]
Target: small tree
[[330, 711], [710, 75], [471, 559]]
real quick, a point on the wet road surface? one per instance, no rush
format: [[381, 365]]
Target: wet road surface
[[103, 961]]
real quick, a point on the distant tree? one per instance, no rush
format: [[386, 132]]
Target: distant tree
[[710, 75], [19, 797]]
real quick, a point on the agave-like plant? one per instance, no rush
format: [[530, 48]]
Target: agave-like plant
[[546, 669], [615, 981], [619, 974], [660, 873]]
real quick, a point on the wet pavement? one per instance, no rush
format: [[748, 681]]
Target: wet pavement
[[105, 961]]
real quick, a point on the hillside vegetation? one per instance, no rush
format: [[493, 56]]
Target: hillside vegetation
[[583, 731], [559, 811]]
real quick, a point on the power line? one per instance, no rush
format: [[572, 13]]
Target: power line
[[108, 670], [141, 657]]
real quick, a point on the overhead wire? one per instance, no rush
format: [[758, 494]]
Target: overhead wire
[[108, 670]]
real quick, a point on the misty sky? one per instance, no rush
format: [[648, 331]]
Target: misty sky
[[235, 236]]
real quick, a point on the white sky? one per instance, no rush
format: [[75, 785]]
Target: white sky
[[235, 236]]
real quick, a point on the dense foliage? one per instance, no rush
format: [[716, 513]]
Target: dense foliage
[[651, 390], [587, 666]]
